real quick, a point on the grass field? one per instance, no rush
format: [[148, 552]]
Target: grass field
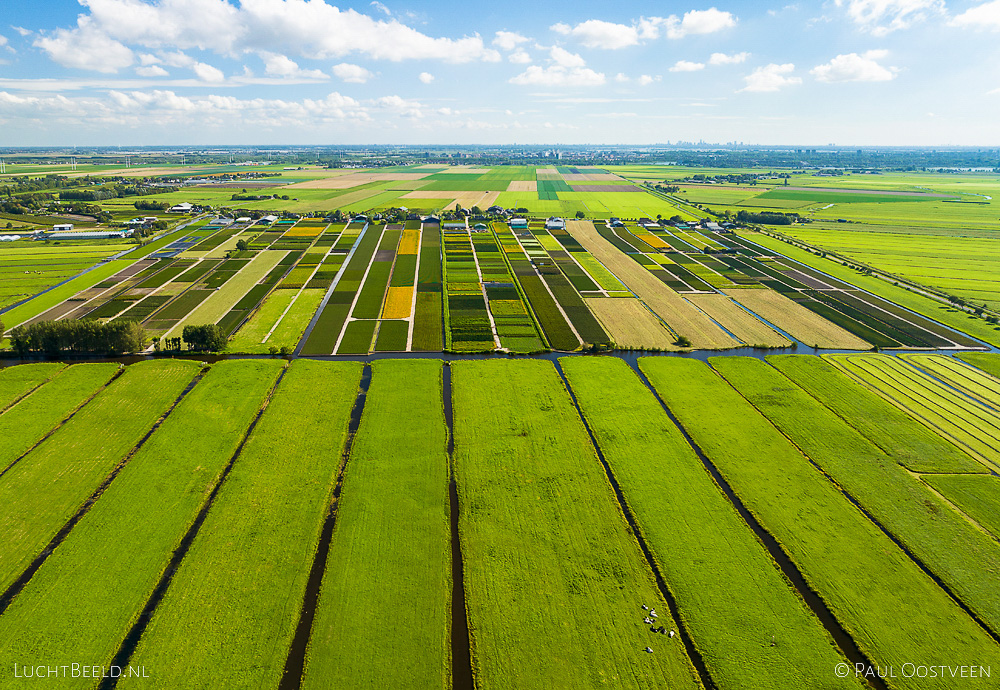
[[233, 605], [18, 381], [554, 582], [27, 268], [135, 401], [943, 540], [27, 422], [631, 324], [978, 496], [988, 362], [888, 605], [729, 591], [88, 594], [390, 554]]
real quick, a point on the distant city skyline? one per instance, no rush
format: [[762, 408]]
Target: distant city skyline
[[257, 72]]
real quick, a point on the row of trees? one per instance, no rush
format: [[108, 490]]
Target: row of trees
[[72, 335]]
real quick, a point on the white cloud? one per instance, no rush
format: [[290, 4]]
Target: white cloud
[[400, 106], [646, 80], [771, 77], [308, 28], [881, 17], [206, 72], [564, 58], [508, 40], [151, 71], [687, 66], [621, 77], [519, 57], [985, 16], [426, 77], [21, 30], [595, 33], [85, 47], [699, 22], [353, 74], [381, 8], [723, 59], [558, 75], [854, 67], [276, 65]]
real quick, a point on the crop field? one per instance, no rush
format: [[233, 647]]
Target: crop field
[[988, 362], [874, 590]]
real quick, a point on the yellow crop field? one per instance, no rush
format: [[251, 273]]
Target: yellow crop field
[[398, 302]]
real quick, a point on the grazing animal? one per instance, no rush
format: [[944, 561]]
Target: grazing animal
[[645, 608], [672, 633], [649, 650]]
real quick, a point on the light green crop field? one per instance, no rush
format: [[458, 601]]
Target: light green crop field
[[234, 602], [88, 594], [891, 608], [554, 582], [134, 401], [987, 361], [18, 381], [973, 426], [898, 434], [965, 378], [954, 550], [729, 591], [390, 555], [27, 268], [27, 422]]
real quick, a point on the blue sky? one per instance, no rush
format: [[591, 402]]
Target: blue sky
[[846, 72]]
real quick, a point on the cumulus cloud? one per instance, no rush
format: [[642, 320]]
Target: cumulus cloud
[[564, 58], [771, 77], [400, 106], [151, 71], [508, 40], [566, 69], [206, 72], [276, 65], [597, 33], [306, 28], [353, 74], [621, 77], [880, 17], [646, 79], [723, 59], [687, 66], [426, 77], [519, 57], [855, 67], [85, 47], [985, 16]]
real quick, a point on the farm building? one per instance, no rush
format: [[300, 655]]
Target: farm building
[[454, 225], [715, 227], [85, 235], [431, 219], [480, 227], [183, 207], [62, 227], [267, 220], [9, 238], [521, 223], [554, 223]]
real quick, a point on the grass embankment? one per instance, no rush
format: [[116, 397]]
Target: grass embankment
[[90, 591], [42, 491], [885, 602], [234, 603], [956, 551], [554, 581], [973, 426], [27, 422], [18, 381], [729, 591], [387, 585]]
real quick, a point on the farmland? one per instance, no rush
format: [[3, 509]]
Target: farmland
[[480, 448]]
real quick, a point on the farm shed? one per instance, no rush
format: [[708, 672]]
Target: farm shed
[[519, 223], [62, 227], [183, 207], [554, 223]]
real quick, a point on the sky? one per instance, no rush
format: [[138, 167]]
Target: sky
[[271, 72]]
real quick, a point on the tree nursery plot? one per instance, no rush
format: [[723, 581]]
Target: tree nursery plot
[[88, 594], [554, 581], [390, 554], [729, 591], [234, 602], [891, 608]]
